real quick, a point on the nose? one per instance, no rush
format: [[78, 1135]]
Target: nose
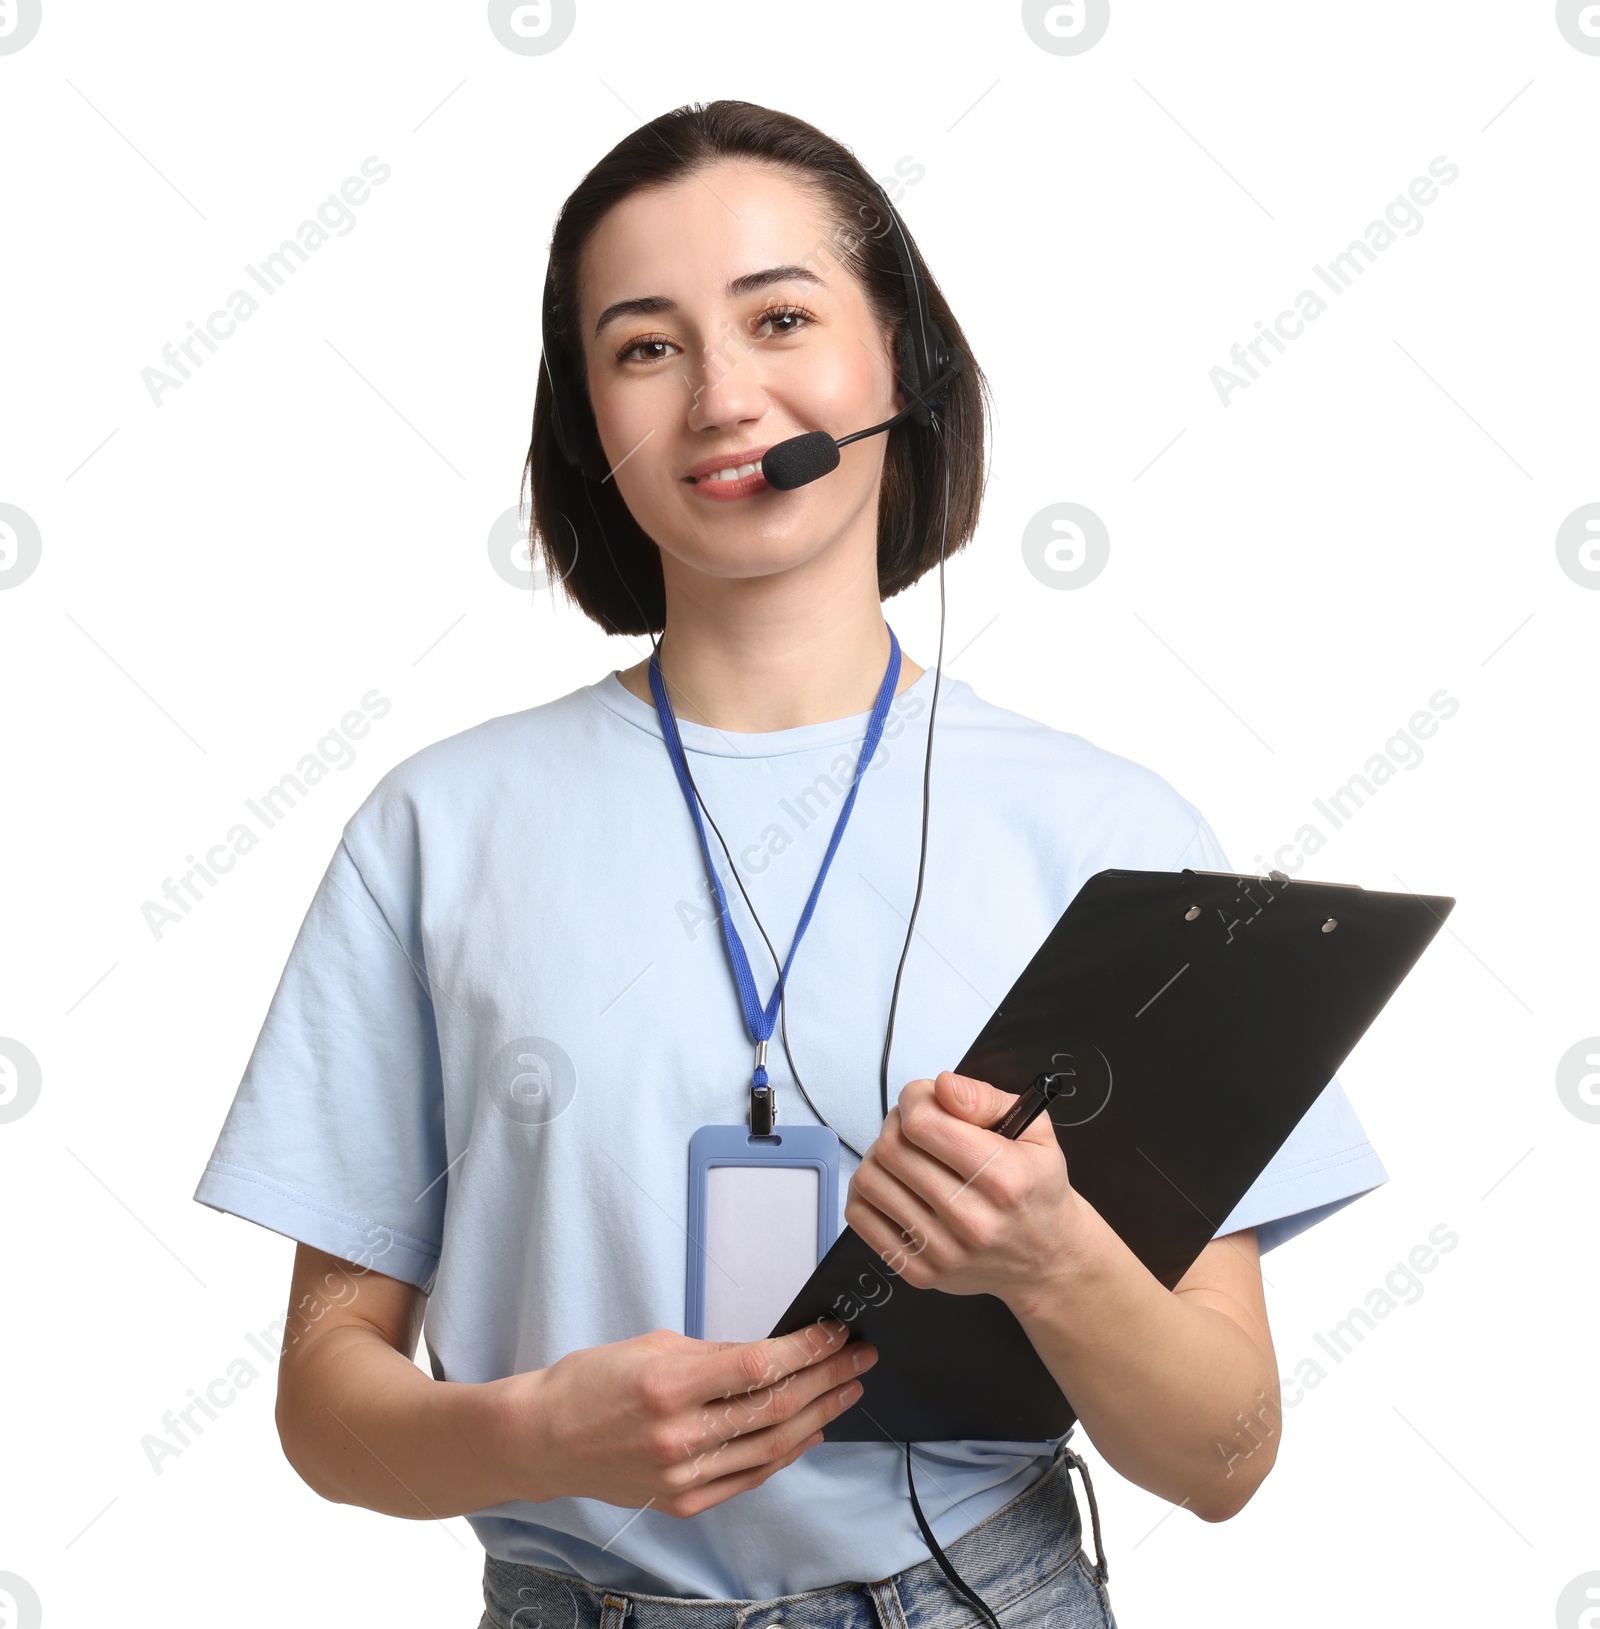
[[724, 383]]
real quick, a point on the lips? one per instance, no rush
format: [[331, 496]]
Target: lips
[[727, 460], [704, 479]]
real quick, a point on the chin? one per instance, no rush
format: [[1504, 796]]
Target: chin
[[741, 544], [752, 558]]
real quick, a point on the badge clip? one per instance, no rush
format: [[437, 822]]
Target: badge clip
[[763, 1097]]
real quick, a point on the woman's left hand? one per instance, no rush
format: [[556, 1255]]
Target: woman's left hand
[[946, 1203]]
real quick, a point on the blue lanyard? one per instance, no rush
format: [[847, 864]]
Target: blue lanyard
[[761, 1019]]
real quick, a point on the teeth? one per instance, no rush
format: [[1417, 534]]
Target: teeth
[[732, 474]]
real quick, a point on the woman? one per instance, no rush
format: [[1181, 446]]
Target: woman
[[510, 1006]]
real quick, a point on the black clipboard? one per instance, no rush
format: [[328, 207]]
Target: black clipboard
[[1201, 1013]]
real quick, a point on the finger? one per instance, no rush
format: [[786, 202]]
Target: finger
[[749, 1414], [703, 1495], [906, 1185], [962, 1145], [741, 1367], [772, 1444], [909, 1259], [899, 1159], [972, 1100]]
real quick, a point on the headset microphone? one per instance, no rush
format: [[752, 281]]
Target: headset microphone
[[806, 458]]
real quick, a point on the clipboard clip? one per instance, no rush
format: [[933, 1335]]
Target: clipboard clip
[[1239, 876]]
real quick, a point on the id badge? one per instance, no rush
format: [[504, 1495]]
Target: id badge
[[762, 1214]]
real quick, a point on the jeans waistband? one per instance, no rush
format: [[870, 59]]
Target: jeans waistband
[[1012, 1553]]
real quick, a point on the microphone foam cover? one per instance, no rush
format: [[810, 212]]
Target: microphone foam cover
[[800, 459]]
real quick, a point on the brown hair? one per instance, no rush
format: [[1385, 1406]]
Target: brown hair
[[599, 570]]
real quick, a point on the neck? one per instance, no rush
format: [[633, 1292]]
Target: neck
[[752, 655]]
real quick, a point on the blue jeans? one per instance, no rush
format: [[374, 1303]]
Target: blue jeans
[[1026, 1561]]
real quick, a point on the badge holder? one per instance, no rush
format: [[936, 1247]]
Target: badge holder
[[762, 1202], [763, 1208]]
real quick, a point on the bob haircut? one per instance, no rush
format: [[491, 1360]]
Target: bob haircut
[[614, 574]]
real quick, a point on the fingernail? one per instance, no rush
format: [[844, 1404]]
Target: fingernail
[[848, 1394], [966, 1094], [863, 1359]]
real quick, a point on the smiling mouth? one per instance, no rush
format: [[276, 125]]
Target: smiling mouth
[[730, 469], [732, 472]]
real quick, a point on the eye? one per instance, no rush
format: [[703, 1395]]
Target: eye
[[792, 318], [655, 343], [776, 321]]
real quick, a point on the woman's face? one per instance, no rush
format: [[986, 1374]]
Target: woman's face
[[717, 320]]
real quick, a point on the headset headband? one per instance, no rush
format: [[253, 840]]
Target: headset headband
[[926, 354]]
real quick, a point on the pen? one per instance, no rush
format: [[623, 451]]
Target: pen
[[1041, 1092]]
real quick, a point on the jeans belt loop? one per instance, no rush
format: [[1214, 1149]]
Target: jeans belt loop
[[1094, 1510]]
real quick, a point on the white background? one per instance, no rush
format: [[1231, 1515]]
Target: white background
[[307, 518]]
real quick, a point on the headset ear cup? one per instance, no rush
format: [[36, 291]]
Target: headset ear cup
[[941, 360], [572, 421], [591, 457], [576, 435], [910, 376], [591, 460]]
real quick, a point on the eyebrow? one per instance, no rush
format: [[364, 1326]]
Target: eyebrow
[[750, 283]]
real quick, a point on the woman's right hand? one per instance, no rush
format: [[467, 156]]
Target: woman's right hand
[[677, 1424]]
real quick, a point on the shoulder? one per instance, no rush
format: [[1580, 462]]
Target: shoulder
[[1111, 802], [453, 784]]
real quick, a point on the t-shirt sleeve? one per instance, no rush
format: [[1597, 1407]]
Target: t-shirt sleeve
[[1326, 1161], [336, 1134]]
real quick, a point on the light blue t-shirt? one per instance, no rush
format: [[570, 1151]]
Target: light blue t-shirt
[[509, 1008]]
